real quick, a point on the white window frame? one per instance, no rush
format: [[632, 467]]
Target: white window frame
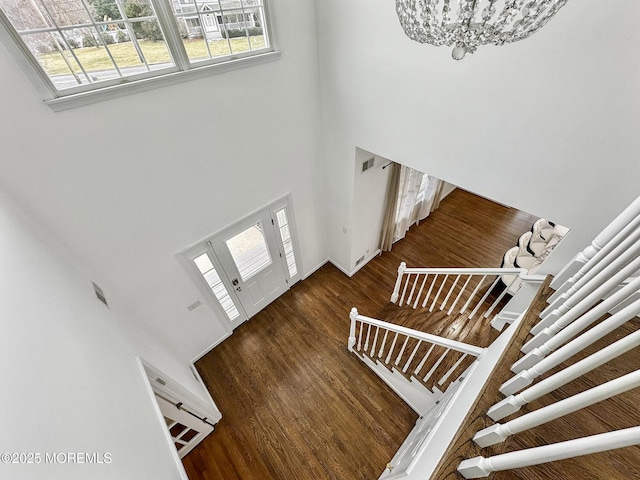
[[184, 70]]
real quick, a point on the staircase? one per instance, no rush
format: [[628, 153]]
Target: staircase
[[530, 360]]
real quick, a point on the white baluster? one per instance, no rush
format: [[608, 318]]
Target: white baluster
[[424, 359], [453, 287], [426, 298], [570, 319], [480, 467], [499, 432], [424, 280], [452, 369], [404, 345], [473, 294], [625, 238], [436, 365], [396, 288], [366, 342], [393, 345], [554, 342], [608, 233], [455, 302], [404, 290], [501, 296], [413, 354], [484, 297], [611, 278], [384, 342], [375, 340], [512, 403], [526, 377], [439, 292], [413, 288], [621, 261]]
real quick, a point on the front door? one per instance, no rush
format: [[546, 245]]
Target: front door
[[250, 257], [248, 265]]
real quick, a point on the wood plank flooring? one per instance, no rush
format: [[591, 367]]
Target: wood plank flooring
[[295, 403]]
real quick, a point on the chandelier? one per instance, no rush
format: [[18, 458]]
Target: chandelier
[[474, 22]]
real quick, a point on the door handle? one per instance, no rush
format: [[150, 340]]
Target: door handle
[[234, 282]]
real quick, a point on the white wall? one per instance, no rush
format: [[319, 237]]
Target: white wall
[[368, 206], [547, 125], [70, 381], [129, 182]]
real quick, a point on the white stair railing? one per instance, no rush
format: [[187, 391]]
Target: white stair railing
[[526, 375], [612, 233], [458, 290], [513, 403], [573, 323], [499, 432], [480, 467], [434, 361], [535, 356], [622, 266], [622, 241]]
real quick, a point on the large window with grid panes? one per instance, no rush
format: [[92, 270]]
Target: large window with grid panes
[[85, 45]]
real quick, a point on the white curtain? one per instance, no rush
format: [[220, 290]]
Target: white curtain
[[418, 195]]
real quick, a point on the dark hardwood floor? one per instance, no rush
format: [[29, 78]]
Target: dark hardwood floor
[[295, 403]]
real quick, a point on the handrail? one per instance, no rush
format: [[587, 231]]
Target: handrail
[[426, 337], [522, 272]]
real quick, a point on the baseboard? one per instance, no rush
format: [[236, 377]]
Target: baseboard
[[335, 264], [208, 349], [316, 268], [365, 261], [355, 270]]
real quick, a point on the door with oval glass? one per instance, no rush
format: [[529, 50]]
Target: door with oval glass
[[249, 264]]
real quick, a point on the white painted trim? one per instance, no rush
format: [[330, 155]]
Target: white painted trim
[[161, 422], [337, 265], [93, 96], [208, 349], [272, 203], [204, 386], [355, 270], [365, 261], [179, 393], [316, 268]]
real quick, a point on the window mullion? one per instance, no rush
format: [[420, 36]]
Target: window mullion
[[169, 26]]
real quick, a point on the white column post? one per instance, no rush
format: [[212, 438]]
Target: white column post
[[609, 232], [352, 330], [499, 432], [525, 377], [396, 288], [480, 467], [512, 403]]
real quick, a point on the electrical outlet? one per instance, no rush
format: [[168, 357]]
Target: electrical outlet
[[194, 305]]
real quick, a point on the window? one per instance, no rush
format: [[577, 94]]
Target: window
[[87, 45]]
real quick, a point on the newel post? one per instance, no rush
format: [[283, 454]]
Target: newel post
[[352, 330], [396, 288]]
